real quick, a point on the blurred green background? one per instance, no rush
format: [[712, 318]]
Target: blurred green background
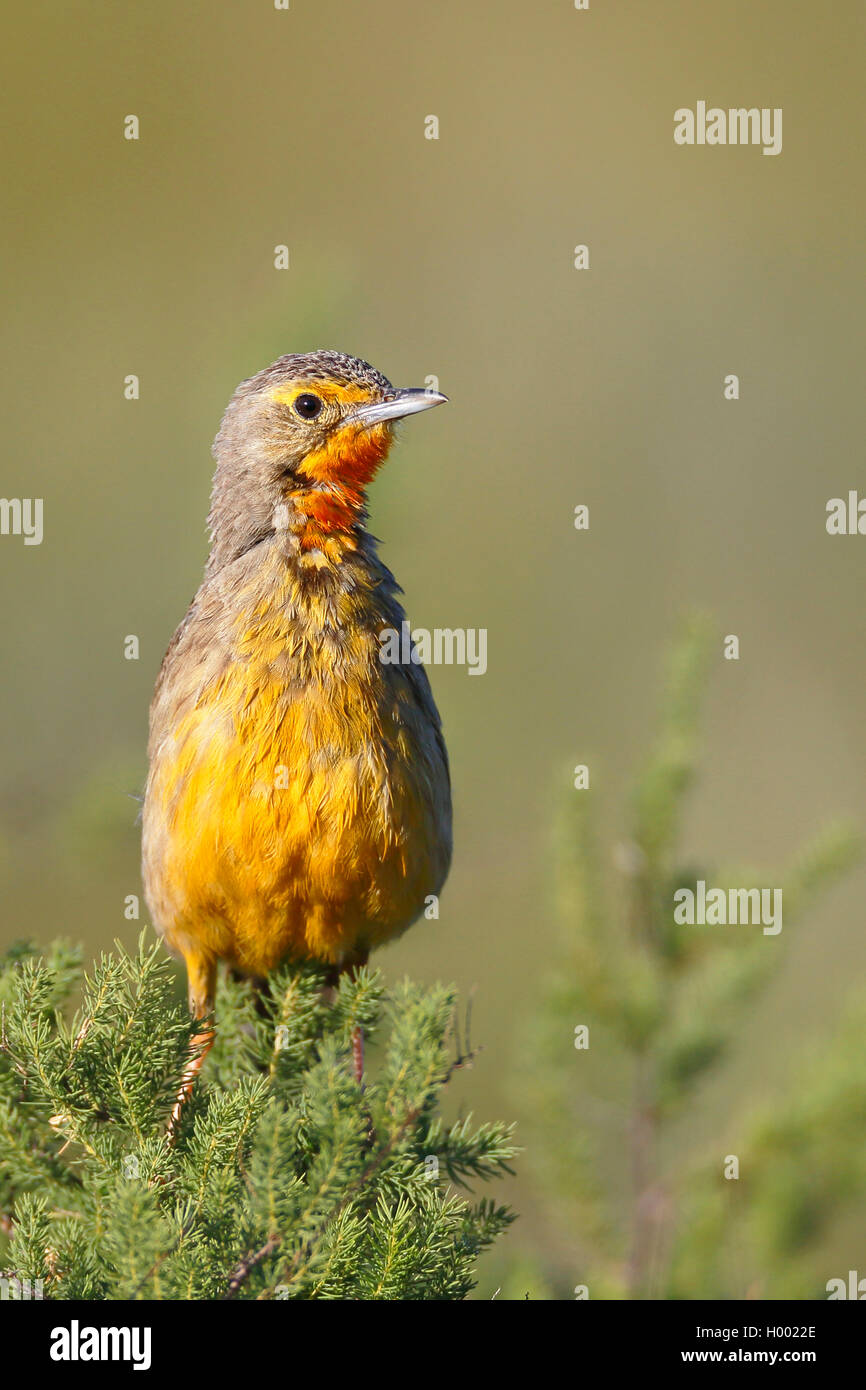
[[454, 258]]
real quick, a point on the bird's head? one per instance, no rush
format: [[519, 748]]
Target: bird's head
[[298, 444]]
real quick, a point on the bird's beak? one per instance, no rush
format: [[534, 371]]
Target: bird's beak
[[407, 402]]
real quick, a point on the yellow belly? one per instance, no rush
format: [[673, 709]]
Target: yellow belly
[[311, 824]]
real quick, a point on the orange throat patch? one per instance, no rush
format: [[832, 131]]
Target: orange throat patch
[[339, 473]]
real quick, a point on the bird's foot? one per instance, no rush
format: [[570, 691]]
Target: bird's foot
[[200, 1046]]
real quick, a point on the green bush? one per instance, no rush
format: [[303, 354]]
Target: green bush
[[286, 1179]]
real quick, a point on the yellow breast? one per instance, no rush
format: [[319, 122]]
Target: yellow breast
[[298, 800]]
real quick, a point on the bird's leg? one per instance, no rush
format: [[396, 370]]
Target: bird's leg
[[358, 1054], [332, 983], [351, 968], [201, 974]]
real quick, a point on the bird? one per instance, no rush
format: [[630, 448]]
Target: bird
[[298, 797]]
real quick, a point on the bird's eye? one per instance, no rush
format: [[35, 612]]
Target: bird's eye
[[308, 406]]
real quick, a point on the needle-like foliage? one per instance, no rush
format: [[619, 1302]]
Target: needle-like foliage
[[640, 1012], [286, 1178]]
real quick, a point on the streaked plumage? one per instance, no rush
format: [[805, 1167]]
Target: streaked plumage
[[297, 801]]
